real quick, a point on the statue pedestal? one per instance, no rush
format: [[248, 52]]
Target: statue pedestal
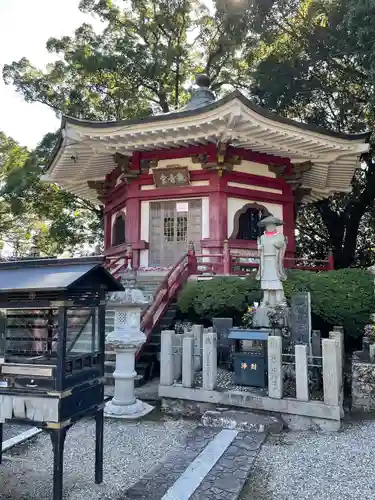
[[124, 404], [261, 319]]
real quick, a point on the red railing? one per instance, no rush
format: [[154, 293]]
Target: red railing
[[191, 263], [230, 264], [167, 290], [118, 263]]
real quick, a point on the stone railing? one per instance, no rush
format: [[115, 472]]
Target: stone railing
[[189, 372]]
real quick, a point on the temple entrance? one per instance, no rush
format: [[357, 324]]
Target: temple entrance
[[172, 225]]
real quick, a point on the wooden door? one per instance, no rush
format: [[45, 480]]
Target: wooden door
[[172, 225]]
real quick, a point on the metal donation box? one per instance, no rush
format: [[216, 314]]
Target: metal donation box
[[52, 359], [250, 357]]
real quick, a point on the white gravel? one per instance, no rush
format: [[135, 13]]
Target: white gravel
[[131, 449], [308, 465]]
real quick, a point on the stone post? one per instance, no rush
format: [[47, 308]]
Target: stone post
[[198, 346], [209, 361], [187, 361], [166, 358], [338, 335], [331, 375], [125, 340], [316, 344], [275, 369], [177, 355], [302, 379]]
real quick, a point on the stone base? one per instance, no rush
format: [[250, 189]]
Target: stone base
[[363, 386], [180, 400], [261, 316], [242, 421], [129, 412]]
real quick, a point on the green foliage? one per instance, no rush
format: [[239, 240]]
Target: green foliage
[[220, 297], [311, 60], [319, 69], [143, 60], [343, 297], [34, 212]]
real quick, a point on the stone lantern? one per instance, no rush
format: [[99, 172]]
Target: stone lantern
[[125, 340]]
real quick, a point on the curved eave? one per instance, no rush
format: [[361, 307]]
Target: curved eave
[[365, 136], [334, 156]]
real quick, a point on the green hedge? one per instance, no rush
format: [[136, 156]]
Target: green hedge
[[344, 297]]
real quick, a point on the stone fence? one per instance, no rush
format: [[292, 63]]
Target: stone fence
[[189, 372]]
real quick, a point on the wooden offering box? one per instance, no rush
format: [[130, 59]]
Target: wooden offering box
[[52, 364]]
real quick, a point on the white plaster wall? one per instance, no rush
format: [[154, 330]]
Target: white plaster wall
[[145, 230], [235, 204], [145, 224], [250, 167], [205, 218]]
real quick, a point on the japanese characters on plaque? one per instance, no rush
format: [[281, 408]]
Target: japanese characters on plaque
[[171, 176]]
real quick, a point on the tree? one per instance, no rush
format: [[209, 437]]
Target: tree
[[311, 60], [33, 212], [142, 61], [322, 67]]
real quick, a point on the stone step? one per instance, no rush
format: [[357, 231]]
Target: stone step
[[224, 418]]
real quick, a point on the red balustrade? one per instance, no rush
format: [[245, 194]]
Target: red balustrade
[[226, 263]]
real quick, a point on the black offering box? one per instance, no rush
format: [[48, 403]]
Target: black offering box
[[52, 364]]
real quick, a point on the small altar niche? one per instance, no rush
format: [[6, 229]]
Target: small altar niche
[[52, 364]]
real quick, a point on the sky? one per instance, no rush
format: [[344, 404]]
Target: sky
[[25, 26]]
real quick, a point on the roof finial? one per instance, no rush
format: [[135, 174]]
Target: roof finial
[[203, 80]]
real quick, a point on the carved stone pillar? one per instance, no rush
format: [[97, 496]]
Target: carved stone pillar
[[125, 340]]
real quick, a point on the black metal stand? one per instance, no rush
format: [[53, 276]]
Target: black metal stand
[[1, 443], [58, 440], [99, 434]]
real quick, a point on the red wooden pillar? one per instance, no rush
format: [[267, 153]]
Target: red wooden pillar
[[227, 261], [331, 261], [218, 210], [107, 231], [289, 228], [133, 227], [192, 260]]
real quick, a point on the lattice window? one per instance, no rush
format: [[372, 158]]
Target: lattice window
[[169, 228], [248, 224], [182, 227]]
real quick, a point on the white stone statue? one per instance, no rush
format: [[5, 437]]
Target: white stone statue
[[271, 273]]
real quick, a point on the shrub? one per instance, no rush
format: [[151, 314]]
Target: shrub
[[219, 297], [344, 297]]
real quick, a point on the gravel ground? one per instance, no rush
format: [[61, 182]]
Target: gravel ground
[[307, 465], [131, 449], [10, 430]]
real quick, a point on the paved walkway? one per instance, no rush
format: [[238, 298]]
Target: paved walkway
[[212, 464], [311, 466]]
